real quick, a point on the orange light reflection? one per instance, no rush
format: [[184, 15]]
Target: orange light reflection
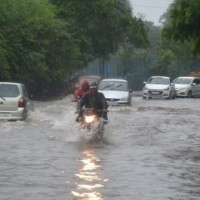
[[90, 181], [88, 196], [88, 177]]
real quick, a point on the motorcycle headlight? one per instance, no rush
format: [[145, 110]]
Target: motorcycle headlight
[[89, 119]]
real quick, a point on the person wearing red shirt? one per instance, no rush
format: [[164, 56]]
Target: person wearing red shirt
[[80, 91]]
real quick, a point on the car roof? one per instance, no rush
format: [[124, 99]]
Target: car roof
[[188, 77], [114, 79], [85, 77], [11, 83], [89, 76], [159, 77]]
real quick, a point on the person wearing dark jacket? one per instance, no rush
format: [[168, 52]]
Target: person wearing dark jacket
[[93, 99]]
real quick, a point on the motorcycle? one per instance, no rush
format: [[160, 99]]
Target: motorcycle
[[92, 120]]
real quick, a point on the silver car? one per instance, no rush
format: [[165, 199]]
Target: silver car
[[159, 87], [14, 101], [187, 86], [116, 91]]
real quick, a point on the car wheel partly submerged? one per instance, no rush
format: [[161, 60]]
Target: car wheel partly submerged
[[173, 96], [189, 94]]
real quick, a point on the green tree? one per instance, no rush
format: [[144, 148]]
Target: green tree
[[100, 27], [3, 61], [183, 22], [35, 47], [44, 41], [178, 43], [175, 58], [138, 60]]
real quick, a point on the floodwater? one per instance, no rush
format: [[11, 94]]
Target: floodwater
[[151, 151]]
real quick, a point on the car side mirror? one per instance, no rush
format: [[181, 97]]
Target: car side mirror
[[144, 82]]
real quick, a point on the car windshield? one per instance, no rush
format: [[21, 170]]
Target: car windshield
[[183, 81], [113, 85], [159, 81], [9, 90]]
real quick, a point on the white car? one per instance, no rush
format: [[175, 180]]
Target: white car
[[187, 86], [116, 91], [159, 87], [14, 101]]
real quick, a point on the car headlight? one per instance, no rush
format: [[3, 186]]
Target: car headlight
[[124, 99], [182, 89], [166, 89], [145, 88]]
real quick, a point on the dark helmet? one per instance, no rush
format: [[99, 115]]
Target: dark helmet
[[93, 85]]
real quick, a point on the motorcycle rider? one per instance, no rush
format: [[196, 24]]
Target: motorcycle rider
[[93, 99], [81, 91]]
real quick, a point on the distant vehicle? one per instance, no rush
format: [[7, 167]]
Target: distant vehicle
[[14, 101], [116, 91], [89, 78], [187, 86], [80, 80], [159, 87]]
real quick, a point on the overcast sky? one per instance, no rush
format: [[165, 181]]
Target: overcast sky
[[151, 10]]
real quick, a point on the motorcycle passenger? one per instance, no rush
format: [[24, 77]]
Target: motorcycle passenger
[[93, 99], [81, 91]]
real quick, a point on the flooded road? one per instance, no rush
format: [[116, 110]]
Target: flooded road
[[151, 152]]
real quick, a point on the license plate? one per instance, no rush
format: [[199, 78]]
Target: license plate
[[112, 103], [5, 116], [154, 92]]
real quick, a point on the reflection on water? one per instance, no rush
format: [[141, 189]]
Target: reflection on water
[[89, 181]]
